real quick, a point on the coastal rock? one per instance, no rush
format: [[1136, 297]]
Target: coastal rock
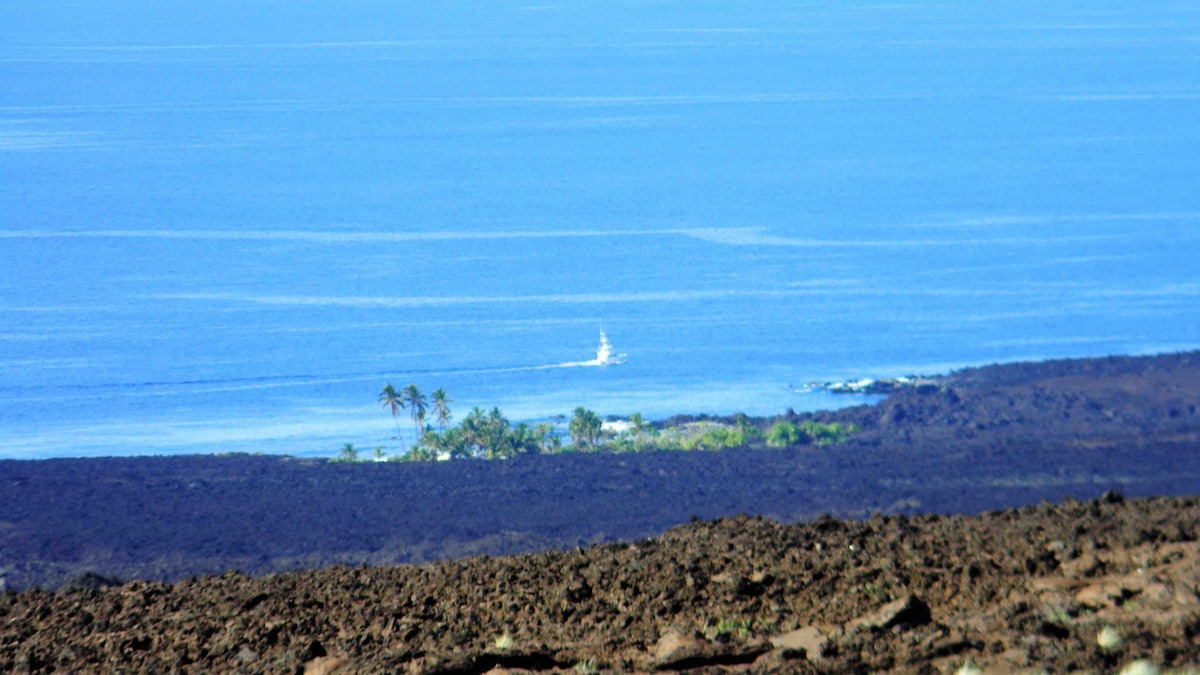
[[676, 647], [1103, 594], [327, 665], [905, 613], [812, 641], [1086, 565], [91, 581]]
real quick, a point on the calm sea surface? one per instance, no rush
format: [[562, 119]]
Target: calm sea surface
[[224, 226]]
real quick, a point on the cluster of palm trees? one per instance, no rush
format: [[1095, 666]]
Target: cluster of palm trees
[[481, 434], [489, 435], [585, 429], [414, 401]]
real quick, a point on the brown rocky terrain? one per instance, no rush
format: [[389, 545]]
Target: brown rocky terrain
[[1016, 590]]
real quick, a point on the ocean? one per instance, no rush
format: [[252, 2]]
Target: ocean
[[225, 226]]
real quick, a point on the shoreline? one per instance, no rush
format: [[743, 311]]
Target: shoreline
[[986, 438], [858, 391], [300, 433]]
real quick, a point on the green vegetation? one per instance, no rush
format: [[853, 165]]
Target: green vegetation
[[414, 400], [729, 627], [390, 398], [723, 436], [484, 435], [585, 429], [441, 407], [1109, 638], [787, 434], [1056, 614], [715, 630], [490, 435]]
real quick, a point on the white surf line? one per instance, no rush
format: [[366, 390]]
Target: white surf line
[[759, 237], [1119, 97], [49, 50], [734, 236], [1005, 220], [333, 236], [386, 302], [211, 46], [573, 102], [678, 295]]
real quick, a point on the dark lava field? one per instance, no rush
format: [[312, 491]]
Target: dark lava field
[[979, 439]]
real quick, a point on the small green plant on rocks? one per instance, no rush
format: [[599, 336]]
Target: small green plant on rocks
[[740, 627], [505, 642], [1140, 667], [968, 669], [764, 625], [1056, 615], [1109, 638], [587, 667]]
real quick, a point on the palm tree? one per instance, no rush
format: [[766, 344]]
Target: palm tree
[[584, 428], [455, 442], [415, 401], [498, 439], [441, 407], [547, 440], [473, 429], [392, 400]]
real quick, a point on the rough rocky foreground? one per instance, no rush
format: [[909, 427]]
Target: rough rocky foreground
[[1041, 587]]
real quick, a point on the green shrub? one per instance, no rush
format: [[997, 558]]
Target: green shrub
[[714, 437], [348, 453], [784, 435], [787, 434]]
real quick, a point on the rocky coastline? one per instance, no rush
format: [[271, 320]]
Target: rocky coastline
[[858, 557]]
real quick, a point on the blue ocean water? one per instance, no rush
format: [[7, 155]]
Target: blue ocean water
[[224, 226]]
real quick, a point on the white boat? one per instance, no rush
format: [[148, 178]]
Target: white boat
[[604, 353]]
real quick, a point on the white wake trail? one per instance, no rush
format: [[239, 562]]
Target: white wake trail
[[568, 364]]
